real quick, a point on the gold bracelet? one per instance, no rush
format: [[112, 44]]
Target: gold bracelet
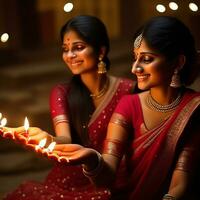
[[94, 172], [168, 197]]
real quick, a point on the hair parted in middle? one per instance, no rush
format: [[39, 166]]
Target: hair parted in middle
[[170, 37], [92, 31]]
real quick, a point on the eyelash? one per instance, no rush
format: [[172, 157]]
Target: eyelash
[[75, 48], [144, 59]]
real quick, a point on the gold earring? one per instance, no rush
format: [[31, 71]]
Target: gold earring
[[175, 83], [101, 66]]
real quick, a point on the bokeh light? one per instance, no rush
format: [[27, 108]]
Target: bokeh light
[[160, 8], [173, 6], [68, 7], [193, 7], [4, 37]]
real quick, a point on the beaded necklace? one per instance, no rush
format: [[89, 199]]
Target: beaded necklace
[[154, 105]]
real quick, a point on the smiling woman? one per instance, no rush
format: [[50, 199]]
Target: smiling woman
[[79, 56], [155, 131], [81, 110]]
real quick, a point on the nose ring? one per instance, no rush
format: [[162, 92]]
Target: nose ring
[[139, 69]]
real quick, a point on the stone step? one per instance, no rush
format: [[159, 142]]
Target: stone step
[[30, 74]]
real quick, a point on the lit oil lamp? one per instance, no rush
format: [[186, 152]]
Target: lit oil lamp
[[3, 122], [26, 126], [41, 144], [50, 148]]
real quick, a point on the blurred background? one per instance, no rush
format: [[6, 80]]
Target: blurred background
[[30, 62]]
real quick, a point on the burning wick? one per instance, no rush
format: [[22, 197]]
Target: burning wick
[[41, 144], [26, 125], [51, 147], [3, 122]]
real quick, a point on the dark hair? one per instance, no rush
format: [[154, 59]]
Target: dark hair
[[92, 31], [171, 37]]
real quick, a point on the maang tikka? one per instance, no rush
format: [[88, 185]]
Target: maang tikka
[[175, 83], [101, 66], [138, 41]]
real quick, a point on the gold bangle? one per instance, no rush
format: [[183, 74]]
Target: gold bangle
[[168, 197], [94, 172]]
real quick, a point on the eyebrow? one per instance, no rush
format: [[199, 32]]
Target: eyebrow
[[74, 43], [148, 52]]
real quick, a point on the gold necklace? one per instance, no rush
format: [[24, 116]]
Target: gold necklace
[[154, 105], [102, 91]]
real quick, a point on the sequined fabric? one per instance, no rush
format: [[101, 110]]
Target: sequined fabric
[[68, 182]]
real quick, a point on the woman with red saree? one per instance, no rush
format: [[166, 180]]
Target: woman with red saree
[[157, 129], [81, 110]]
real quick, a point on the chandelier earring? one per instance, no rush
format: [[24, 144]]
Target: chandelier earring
[[101, 66], [176, 82]]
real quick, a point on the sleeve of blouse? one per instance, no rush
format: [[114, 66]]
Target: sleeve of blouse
[[58, 104], [123, 112], [189, 156]]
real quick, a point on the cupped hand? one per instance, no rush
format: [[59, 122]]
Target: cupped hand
[[35, 135], [72, 154], [9, 133]]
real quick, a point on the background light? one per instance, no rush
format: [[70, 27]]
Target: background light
[[4, 37], [68, 7], [160, 8], [173, 6], [193, 7]]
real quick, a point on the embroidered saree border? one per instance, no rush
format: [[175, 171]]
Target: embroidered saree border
[[167, 151], [109, 95]]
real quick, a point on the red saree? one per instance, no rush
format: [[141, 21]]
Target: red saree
[[68, 182], [153, 154]]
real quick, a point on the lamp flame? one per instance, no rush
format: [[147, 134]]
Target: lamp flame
[[51, 147], [41, 144], [3, 122], [26, 124]]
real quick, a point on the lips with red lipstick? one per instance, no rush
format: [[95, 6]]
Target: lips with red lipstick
[[75, 63], [141, 78]]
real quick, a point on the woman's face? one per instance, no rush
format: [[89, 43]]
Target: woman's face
[[79, 56], [157, 72]]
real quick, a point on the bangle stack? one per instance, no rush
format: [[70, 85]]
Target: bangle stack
[[168, 197], [94, 172]]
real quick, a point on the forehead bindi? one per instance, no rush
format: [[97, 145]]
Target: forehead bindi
[[71, 38]]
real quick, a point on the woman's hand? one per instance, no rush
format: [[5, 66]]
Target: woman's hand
[[29, 138], [74, 154], [10, 133], [35, 135]]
